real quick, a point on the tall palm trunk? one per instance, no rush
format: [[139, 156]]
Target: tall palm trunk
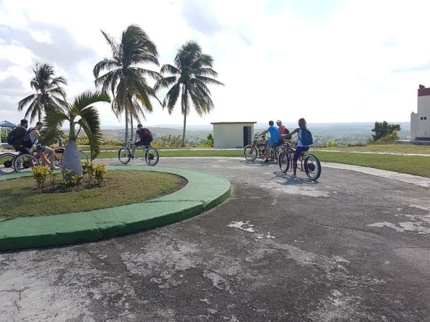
[[126, 126], [131, 126], [183, 131]]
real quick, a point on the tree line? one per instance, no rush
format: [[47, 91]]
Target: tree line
[[122, 81]]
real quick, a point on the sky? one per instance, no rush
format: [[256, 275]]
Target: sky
[[324, 60]]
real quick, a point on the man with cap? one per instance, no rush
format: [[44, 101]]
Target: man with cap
[[283, 132]]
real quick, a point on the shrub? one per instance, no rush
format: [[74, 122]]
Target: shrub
[[40, 174], [352, 144], [331, 144], [209, 140], [90, 172]]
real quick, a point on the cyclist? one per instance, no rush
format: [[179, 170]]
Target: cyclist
[[300, 146], [144, 136], [283, 132], [19, 137], [273, 142], [42, 150]]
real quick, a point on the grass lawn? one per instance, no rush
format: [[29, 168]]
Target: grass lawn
[[21, 197]]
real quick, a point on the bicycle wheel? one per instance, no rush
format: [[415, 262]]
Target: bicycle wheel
[[124, 155], [250, 153], [312, 167], [284, 161], [151, 156], [278, 151], [58, 156], [6, 163], [25, 163], [83, 156]]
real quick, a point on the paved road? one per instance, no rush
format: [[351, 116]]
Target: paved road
[[350, 247]]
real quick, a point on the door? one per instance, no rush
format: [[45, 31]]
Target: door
[[246, 135]]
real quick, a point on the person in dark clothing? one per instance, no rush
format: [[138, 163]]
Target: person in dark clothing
[[20, 132]]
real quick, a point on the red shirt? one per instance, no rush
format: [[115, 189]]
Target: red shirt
[[282, 130]]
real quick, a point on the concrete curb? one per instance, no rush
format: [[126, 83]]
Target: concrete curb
[[203, 192]]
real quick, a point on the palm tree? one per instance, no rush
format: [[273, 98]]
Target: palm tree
[[49, 96], [124, 78], [189, 80], [83, 113]]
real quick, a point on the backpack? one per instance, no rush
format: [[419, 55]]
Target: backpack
[[26, 142], [145, 135], [11, 137], [306, 137]]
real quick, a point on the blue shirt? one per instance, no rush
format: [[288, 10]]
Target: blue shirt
[[274, 134]]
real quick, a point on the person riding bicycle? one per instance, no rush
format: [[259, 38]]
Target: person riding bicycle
[[20, 132], [144, 136], [300, 146], [283, 132], [42, 150], [274, 140]]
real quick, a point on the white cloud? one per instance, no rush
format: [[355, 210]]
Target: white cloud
[[331, 61]]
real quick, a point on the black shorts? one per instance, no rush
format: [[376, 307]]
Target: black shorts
[[140, 143]]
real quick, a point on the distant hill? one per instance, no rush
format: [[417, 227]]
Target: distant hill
[[341, 133]]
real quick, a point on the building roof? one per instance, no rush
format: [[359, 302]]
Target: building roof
[[233, 122]]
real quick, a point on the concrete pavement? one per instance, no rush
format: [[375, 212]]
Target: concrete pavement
[[349, 247]]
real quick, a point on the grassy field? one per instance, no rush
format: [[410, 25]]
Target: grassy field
[[21, 197], [402, 158]]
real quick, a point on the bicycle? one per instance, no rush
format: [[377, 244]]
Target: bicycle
[[309, 163], [26, 161], [150, 154], [21, 162], [258, 148], [58, 159]]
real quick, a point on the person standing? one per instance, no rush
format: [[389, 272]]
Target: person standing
[[273, 141]]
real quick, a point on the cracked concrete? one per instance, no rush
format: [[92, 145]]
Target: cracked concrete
[[263, 255]]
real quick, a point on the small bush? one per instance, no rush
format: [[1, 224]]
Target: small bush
[[90, 171], [352, 144], [40, 174], [331, 144]]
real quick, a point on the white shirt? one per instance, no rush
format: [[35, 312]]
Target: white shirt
[[34, 136]]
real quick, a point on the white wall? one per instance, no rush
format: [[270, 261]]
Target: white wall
[[420, 122], [230, 135]]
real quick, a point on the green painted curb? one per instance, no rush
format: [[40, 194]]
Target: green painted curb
[[202, 192]]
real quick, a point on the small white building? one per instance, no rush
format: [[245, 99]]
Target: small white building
[[420, 121], [232, 135]]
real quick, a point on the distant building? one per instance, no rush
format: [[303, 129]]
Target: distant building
[[230, 135], [420, 121]]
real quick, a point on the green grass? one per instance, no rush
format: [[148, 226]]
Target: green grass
[[388, 148], [21, 198], [410, 164]]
